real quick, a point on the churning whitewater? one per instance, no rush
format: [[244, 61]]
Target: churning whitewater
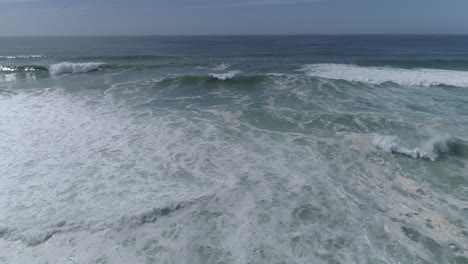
[[173, 150]]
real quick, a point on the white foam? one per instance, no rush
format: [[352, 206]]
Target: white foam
[[224, 76], [69, 67], [22, 57], [221, 67], [380, 75], [429, 149], [6, 69], [108, 179]]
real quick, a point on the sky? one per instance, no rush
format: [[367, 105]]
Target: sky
[[208, 17]]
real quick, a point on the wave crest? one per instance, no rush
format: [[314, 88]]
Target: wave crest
[[221, 67], [24, 68], [22, 57], [224, 76], [69, 67], [380, 75], [430, 148]]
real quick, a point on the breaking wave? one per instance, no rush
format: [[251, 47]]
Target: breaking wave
[[380, 75], [409, 63], [352, 73], [69, 67], [22, 57], [428, 148], [24, 68], [224, 76]]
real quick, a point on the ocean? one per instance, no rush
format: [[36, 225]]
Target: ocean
[[234, 149]]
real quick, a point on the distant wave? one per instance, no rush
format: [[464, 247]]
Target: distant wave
[[429, 148], [54, 69], [380, 75], [416, 63], [23, 68], [69, 67], [129, 58], [22, 57], [351, 73]]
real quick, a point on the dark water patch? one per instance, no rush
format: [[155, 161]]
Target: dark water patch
[[435, 248], [149, 216], [36, 235], [195, 80], [127, 58]]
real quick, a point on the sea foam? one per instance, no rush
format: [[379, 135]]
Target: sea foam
[[380, 75], [69, 67]]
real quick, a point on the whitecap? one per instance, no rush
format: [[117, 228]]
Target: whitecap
[[380, 75], [69, 67], [221, 67], [22, 57], [224, 76]]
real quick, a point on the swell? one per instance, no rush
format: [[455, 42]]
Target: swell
[[123, 58], [226, 78], [88, 67], [97, 66], [341, 72]]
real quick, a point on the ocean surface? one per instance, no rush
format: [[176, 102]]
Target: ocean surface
[[234, 149]]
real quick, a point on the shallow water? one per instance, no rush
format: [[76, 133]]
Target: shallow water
[[273, 149]]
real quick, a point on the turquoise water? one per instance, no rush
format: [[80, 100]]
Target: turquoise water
[[239, 149]]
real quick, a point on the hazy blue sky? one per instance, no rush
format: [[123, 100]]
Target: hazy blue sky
[[136, 17]]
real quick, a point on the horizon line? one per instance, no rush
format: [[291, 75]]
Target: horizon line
[[242, 34]]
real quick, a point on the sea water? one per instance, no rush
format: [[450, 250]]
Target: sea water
[[234, 149]]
